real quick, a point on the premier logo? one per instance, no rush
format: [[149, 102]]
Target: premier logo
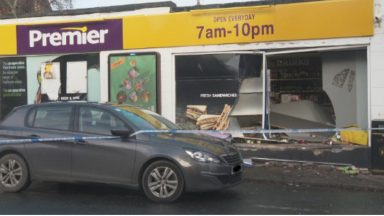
[[67, 36], [72, 37]]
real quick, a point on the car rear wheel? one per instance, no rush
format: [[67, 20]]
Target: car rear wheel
[[162, 181], [14, 175]]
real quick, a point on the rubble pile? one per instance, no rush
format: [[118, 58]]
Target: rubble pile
[[205, 121]]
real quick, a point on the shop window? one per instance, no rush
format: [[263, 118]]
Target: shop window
[[318, 90], [297, 98], [212, 89], [65, 78]]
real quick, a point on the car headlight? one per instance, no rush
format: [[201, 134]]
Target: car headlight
[[202, 156]]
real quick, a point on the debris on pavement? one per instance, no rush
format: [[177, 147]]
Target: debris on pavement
[[247, 162], [350, 170], [341, 176]]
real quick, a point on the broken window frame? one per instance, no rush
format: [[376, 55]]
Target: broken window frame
[[263, 70], [322, 49]]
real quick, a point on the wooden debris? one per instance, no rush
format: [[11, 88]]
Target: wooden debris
[[222, 122], [195, 111], [207, 122]]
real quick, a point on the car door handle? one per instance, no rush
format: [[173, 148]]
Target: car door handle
[[34, 136]]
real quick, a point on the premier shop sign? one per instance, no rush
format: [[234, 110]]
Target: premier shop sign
[[70, 37]]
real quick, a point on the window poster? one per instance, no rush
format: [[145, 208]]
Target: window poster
[[133, 80], [50, 79], [77, 77], [13, 84]]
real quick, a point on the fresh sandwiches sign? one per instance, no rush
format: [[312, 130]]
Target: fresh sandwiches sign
[[70, 37]]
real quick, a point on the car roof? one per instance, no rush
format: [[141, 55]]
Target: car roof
[[106, 105]]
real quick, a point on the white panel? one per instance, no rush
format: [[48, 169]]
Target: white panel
[[93, 83], [376, 64], [379, 15], [252, 85], [378, 42], [377, 112], [104, 70], [337, 70], [377, 67], [76, 77], [377, 96], [377, 77], [168, 86], [50, 79], [248, 104], [362, 89]]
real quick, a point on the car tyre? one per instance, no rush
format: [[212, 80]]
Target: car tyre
[[14, 173], [162, 181]]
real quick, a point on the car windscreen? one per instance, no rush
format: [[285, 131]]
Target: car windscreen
[[145, 119]]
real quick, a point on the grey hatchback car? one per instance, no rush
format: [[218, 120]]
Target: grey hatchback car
[[163, 165]]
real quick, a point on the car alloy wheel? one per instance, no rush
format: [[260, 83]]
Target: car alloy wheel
[[13, 173], [163, 182]]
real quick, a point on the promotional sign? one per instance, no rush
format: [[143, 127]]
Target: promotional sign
[[251, 24], [13, 83], [272, 22], [133, 80], [69, 37]]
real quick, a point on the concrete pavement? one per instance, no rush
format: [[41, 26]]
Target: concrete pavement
[[309, 173], [317, 152]]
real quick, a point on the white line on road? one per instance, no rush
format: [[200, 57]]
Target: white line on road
[[288, 208]]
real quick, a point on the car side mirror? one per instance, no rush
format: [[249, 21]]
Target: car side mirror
[[125, 133]]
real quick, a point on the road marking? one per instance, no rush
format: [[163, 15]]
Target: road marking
[[287, 208]]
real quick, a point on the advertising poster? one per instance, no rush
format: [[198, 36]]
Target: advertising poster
[[133, 80], [77, 77], [13, 83], [50, 79]]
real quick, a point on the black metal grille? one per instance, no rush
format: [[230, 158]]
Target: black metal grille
[[233, 158], [231, 179]]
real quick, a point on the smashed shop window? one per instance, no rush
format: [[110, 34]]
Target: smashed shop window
[[212, 89]]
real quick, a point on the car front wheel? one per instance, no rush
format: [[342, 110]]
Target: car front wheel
[[162, 181], [14, 175]]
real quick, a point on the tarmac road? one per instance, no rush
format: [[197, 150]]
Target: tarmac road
[[247, 198]]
